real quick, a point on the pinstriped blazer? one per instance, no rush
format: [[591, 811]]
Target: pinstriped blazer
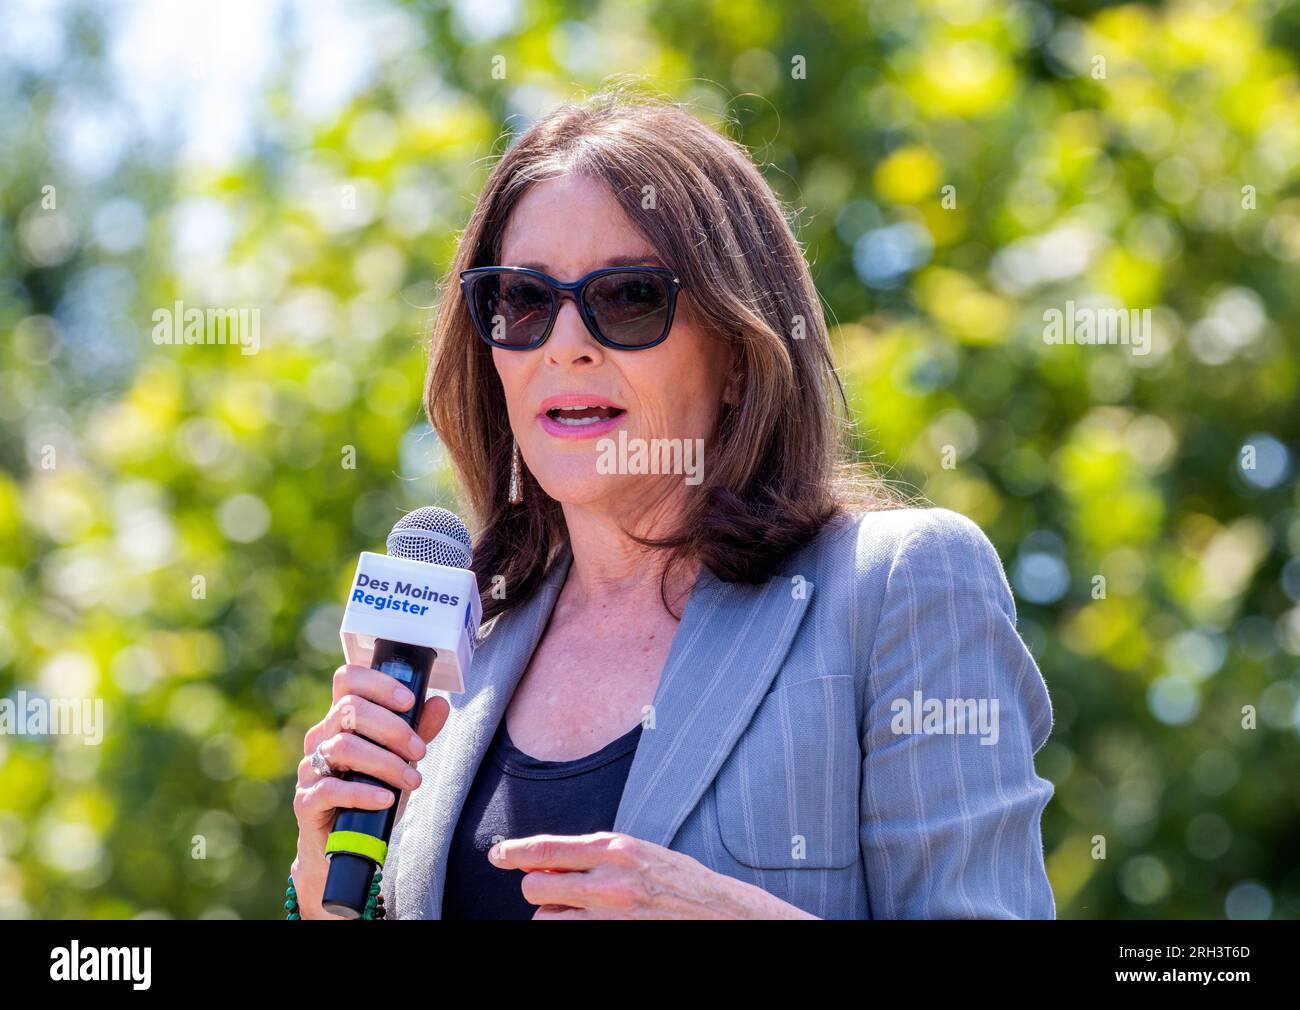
[[855, 735]]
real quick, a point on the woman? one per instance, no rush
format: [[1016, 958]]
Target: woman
[[756, 687]]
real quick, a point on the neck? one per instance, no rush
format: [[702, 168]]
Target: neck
[[607, 564]]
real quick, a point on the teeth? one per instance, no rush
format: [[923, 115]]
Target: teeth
[[594, 412]]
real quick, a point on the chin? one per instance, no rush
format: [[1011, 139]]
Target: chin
[[578, 484]]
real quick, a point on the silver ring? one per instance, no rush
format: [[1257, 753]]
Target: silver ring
[[320, 764]]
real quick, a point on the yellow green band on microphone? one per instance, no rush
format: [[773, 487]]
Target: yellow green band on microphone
[[358, 843]]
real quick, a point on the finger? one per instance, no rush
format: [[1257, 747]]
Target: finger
[[378, 687], [354, 714], [349, 752], [330, 793], [433, 718], [570, 889], [549, 852], [561, 912]]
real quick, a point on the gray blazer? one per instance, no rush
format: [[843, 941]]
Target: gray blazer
[[855, 735]]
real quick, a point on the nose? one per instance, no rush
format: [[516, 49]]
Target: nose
[[570, 342]]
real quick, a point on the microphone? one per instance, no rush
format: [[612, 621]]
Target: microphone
[[412, 614]]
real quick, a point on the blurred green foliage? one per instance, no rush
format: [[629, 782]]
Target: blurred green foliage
[[178, 523]]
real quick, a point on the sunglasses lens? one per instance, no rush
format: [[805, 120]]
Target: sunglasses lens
[[513, 309], [629, 308]]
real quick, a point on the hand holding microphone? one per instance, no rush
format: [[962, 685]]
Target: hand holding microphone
[[410, 624], [364, 701]]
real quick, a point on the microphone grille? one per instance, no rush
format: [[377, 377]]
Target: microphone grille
[[432, 535]]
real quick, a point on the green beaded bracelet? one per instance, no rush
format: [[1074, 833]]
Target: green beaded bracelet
[[374, 904]]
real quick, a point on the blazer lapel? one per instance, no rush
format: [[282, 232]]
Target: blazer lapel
[[475, 715], [731, 641]]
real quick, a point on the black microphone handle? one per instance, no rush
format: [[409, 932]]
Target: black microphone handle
[[347, 885]]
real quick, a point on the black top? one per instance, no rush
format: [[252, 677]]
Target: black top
[[515, 795]]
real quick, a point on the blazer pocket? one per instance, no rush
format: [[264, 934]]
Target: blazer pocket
[[787, 794]]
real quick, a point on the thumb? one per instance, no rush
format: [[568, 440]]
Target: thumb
[[433, 717]]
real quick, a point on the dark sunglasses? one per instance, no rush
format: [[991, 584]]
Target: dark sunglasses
[[625, 308]]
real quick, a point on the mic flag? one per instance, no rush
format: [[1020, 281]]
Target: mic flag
[[420, 593]]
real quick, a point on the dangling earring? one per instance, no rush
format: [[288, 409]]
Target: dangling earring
[[516, 476]]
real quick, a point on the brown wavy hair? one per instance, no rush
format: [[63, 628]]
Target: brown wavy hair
[[778, 473]]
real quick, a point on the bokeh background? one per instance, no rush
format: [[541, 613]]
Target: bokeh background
[[178, 525]]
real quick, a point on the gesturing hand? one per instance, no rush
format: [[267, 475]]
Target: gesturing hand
[[609, 875]]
